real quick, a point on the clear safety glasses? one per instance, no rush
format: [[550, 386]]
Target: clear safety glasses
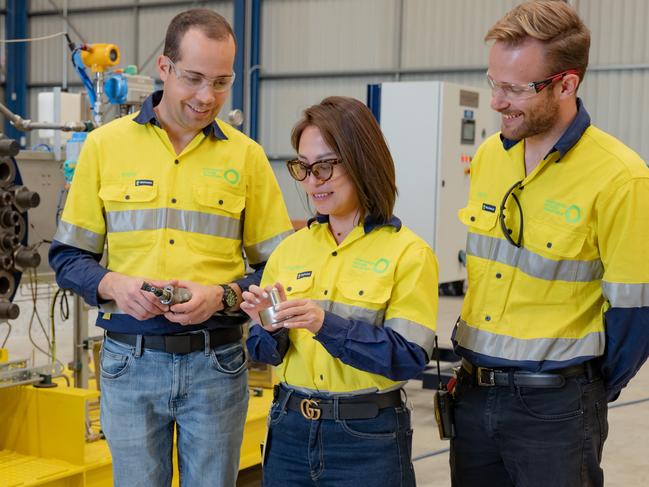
[[520, 92], [198, 81]]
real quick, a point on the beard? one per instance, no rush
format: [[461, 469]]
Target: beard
[[537, 119]]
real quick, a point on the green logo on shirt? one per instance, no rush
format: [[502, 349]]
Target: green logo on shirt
[[231, 176], [379, 266], [572, 213]]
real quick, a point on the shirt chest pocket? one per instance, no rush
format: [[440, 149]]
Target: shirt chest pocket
[[130, 209], [479, 216], [219, 199], [298, 287], [118, 197], [364, 298], [554, 241]]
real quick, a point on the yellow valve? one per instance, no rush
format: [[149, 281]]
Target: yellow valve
[[98, 57]]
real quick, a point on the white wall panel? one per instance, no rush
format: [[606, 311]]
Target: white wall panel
[[440, 33], [46, 57], [327, 35], [617, 103], [619, 33]]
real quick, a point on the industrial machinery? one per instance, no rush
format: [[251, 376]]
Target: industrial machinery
[[15, 256], [433, 129]]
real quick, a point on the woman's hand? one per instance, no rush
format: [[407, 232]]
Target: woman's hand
[[255, 299], [300, 313]]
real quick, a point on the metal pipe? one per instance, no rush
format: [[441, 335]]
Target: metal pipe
[[240, 36], [255, 35], [26, 125], [421, 71], [16, 80], [64, 43]]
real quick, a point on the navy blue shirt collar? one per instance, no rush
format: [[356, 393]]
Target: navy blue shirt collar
[[568, 139], [369, 224], [147, 115]]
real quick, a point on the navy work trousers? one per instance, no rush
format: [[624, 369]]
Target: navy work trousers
[[529, 437]]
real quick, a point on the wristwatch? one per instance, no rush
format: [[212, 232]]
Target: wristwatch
[[229, 298]]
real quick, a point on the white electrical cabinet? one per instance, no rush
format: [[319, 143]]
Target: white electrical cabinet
[[433, 129]]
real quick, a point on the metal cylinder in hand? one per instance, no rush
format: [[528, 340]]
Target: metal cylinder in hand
[[267, 316]]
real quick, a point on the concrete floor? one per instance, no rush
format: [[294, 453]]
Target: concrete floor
[[625, 454]]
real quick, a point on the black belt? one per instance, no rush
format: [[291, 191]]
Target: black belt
[[192, 342], [366, 406], [556, 378]]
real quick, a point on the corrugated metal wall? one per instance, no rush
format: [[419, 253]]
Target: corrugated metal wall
[[434, 39], [314, 48]]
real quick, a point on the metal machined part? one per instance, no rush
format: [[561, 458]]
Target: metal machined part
[[168, 295], [268, 316]]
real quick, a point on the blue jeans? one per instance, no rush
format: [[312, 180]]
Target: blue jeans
[[529, 437], [145, 393], [338, 453]]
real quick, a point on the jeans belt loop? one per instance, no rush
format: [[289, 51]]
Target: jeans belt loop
[[138, 346], [285, 400], [336, 406], [206, 335]]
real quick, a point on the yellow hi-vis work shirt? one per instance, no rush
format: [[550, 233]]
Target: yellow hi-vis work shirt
[[585, 230], [386, 277], [174, 216]]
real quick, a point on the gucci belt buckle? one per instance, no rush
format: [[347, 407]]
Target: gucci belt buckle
[[309, 409]]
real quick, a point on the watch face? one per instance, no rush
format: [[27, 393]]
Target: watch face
[[229, 296]]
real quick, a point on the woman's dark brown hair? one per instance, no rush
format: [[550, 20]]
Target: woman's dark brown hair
[[351, 131]]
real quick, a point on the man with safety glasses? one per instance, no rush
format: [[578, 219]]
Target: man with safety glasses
[[556, 317], [167, 190]]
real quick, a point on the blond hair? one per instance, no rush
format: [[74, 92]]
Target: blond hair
[[552, 22]]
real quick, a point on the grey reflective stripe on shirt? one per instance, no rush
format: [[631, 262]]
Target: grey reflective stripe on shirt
[[535, 265], [184, 220], [536, 349], [349, 312], [80, 238], [626, 295], [413, 332], [260, 252]]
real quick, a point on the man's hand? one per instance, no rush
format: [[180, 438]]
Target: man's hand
[[206, 300], [129, 297]]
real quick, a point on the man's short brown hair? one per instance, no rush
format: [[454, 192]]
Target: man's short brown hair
[[210, 23], [351, 131], [555, 24]]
